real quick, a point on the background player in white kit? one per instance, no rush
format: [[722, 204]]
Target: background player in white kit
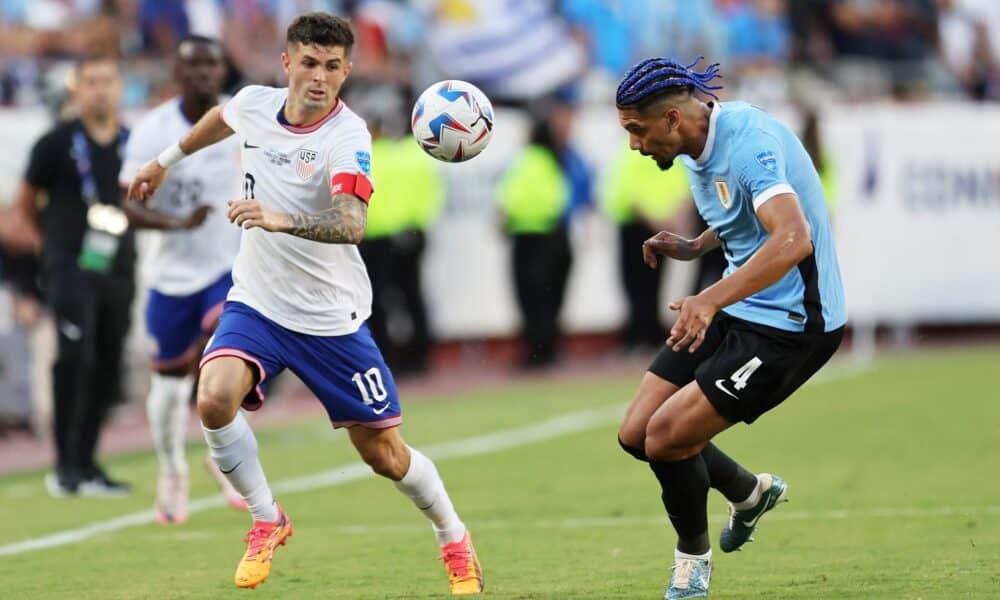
[[189, 259], [301, 293]]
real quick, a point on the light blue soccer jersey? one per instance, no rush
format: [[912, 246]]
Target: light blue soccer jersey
[[750, 157]]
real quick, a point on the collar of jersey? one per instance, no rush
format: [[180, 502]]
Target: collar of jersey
[[309, 128], [713, 118]]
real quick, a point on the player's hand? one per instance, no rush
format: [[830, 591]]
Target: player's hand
[[670, 245], [249, 214], [146, 181], [18, 235], [196, 217], [689, 331]]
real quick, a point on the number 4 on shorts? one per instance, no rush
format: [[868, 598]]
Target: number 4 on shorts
[[742, 375]]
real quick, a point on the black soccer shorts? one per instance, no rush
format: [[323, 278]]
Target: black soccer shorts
[[746, 369]]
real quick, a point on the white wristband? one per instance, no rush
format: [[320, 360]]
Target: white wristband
[[171, 156]]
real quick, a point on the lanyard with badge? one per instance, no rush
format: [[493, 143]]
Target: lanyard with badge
[[106, 223]]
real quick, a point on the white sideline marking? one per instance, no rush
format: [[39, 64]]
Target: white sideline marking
[[597, 522], [574, 422], [899, 512]]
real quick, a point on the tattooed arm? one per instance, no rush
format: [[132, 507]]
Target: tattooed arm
[[342, 223]]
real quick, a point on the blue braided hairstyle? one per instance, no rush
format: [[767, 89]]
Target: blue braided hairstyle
[[653, 76]]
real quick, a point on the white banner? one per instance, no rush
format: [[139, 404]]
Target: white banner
[[918, 211]]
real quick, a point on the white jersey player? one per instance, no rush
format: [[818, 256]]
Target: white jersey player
[[301, 294], [188, 262]]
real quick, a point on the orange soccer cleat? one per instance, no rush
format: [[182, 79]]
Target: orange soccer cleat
[[465, 575], [262, 540]]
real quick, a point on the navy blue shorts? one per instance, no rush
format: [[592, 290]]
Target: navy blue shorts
[[346, 372], [179, 323]]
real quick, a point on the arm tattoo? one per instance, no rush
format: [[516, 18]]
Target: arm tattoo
[[343, 223]]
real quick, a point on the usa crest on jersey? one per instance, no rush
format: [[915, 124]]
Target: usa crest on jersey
[[305, 166]]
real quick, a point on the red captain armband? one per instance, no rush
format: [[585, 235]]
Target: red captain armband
[[351, 183]]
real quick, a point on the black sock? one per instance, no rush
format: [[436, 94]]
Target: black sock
[[685, 496], [726, 475]]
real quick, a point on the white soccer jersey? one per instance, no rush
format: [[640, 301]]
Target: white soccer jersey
[[183, 262], [302, 285]]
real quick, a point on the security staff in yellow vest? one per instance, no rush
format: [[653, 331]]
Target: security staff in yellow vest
[[813, 144], [536, 197], [641, 199], [409, 201]]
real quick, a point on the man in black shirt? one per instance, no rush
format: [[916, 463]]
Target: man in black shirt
[[87, 257]]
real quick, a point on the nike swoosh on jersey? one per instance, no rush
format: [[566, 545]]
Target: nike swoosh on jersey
[[718, 384], [248, 146]]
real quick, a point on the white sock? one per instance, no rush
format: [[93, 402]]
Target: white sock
[[234, 449], [705, 556], [424, 487], [167, 410], [751, 500]]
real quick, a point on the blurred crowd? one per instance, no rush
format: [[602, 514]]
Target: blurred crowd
[[520, 49]]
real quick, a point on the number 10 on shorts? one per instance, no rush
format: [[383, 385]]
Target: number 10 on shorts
[[370, 386]]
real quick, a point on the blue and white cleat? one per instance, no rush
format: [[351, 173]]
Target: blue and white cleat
[[742, 523], [689, 578]]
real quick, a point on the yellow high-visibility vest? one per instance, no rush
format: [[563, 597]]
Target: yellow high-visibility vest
[[534, 192], [636, 186]]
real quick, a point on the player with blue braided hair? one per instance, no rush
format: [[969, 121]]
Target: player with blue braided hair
[[655, 75], [743, 345]]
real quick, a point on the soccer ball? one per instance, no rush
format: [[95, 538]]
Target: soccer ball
[[452, 120]]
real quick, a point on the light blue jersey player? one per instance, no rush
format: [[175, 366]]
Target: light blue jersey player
[[749, 159], [744, 344]]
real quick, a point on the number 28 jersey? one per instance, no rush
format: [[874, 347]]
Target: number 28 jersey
[[305, 286]]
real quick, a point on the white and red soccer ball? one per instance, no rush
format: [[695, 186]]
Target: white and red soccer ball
[[452, 120]]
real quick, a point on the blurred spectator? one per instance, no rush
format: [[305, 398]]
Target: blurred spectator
[[642, 200], [409, 200], [966, 44], [18, 314], [759, 48], [882, 46], [605, 26], [163, 24], [88, 258], [252, 38], [547, 182], [759, 35], [821, 160], [690, 28], [515, 50], [387, 33]]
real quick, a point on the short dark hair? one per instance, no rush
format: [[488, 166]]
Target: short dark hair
[[322, 29], [91, 59]]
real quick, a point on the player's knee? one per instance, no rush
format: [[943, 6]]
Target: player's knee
[[635, 448], [664, 447], [218, 401]]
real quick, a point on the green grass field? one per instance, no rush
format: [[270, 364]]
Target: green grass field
[[894, 494]]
